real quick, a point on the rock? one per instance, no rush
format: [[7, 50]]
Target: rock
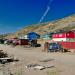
[[39, 67]]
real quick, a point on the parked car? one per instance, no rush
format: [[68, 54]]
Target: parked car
[[55, 47]]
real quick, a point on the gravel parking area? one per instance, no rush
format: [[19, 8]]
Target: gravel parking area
[[64, 63]]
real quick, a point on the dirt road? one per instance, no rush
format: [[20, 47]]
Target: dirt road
[[64, 63]]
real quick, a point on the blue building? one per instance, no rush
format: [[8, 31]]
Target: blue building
[[47, 36], [33, 36]]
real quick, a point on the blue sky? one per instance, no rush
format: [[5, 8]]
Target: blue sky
[[16, 14]]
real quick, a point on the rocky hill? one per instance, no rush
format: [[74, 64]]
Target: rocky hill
[[67, 23]]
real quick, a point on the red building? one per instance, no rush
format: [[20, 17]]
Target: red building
[[20, 41], [67, 39], [65, 36], [23, 42]]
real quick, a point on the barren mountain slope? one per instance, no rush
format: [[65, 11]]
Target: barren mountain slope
[[67, 23]]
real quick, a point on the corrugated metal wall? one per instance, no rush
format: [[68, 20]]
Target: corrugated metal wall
[[68, 45]]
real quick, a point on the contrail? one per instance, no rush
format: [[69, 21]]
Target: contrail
[[47, 10], [45, 13]]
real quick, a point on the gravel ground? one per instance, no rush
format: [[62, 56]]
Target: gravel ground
[[63, 63]]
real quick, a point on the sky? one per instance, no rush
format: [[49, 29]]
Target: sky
[[16, 14]]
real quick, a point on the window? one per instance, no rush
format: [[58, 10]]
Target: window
[[60, 35]]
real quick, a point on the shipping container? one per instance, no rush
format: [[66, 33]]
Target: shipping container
[[68, 45], [23, 41]]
